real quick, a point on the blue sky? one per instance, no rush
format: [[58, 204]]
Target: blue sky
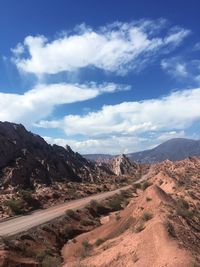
[[102, 76]]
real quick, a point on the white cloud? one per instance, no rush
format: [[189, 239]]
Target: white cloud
[[39, 102], [182, 70], [118, 48], [174, 68], [171, 134], [110, 145], [174, 112]]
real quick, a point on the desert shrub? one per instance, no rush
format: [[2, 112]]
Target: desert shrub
[[145, 185], [86, 244], [93, 204], [148, 199], [192, 194], [183, 209], [126, 193], [171, 230], [139, 228], [16, 206], [184, 212], [26, 195], [41, 255], [147, 216], [116, 201], [85, 250], [138, 185], [70, 213], [68, 231], [99, 242], [85, 222], [117, 217], [50, 261], [7, 241], [127, 224], [182, 203]]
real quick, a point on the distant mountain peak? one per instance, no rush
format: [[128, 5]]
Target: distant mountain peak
[[172, 149]]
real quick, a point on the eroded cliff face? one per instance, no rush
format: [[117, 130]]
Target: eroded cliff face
[[121, 165]]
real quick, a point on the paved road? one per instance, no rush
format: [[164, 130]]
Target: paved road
[[26, 222], [23, 223]]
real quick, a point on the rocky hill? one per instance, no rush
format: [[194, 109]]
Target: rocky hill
[[26, 160]]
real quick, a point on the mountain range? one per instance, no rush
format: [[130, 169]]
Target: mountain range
[[173, 149]]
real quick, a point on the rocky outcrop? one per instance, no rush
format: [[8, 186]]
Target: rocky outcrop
[[27, 160], [121, 165]]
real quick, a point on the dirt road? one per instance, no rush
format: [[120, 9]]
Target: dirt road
[[23, 223]]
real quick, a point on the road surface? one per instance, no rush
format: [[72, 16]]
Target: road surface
[[26, 222]]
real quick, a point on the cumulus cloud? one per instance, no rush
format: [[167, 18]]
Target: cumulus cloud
[[118, 47], [39, 102], [109, 145], [171, 134], [181, 69], [172, 112]]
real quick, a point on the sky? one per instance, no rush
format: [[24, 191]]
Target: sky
[[101, 76]]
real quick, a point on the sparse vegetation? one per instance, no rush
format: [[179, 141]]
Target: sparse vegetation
[[148, 199], [147, 216], [115, 202], [99, 242], [85, 250], [85, 222], [94, 204], [70, 213], [145, 185], [117, 216], [50, 261], [26, 195], [15, 205], [184, 212], [183, 209], [68, 229], [41, 255], [171, 230], [139, 228]]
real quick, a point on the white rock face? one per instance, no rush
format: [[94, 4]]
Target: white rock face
[[121, 165]]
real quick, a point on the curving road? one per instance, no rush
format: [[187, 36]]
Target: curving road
[[23, 223], [26, 222]]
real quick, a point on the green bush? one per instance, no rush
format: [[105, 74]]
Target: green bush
[[85, 250], [183, 204], [183, 209], [70, 213], [41, 255], [139, 228], [184, 212], [26, 195], [50, 261], [16, 206], [115, 202], [93, 204], [147, 216], [99, 242], [145, 185], [86, 244]]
